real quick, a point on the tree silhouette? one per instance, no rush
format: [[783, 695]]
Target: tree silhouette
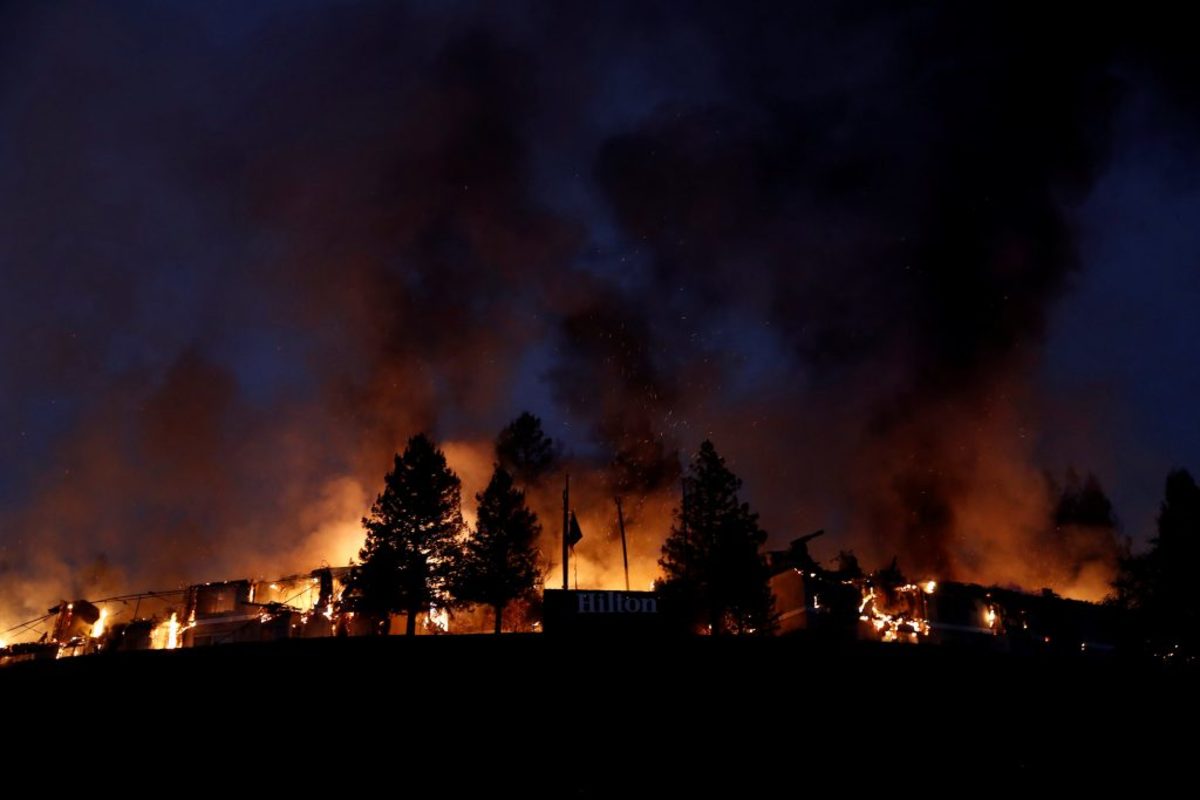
[[1083, 526], [1159, 586], [715, 574], [525, 451], [412, 533], [1084, 502], [499, 561]]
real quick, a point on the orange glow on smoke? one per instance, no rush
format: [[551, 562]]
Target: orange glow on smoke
[[596, 560]]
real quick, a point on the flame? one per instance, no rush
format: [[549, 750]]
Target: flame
[[99, 624], [867, 598], [900, 626], [165, 635], [440, 619], [989, 617], [929, 587]]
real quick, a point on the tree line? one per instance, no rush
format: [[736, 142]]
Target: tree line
[[419, 553], [1158, 589]]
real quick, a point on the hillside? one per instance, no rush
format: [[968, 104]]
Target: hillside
[[758, 712]]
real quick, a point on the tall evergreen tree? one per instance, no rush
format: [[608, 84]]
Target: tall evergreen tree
[[1084, 526], [500, 560], [714, 571], [412, 534], [1083, 501], [525, 451], [1159, 586]]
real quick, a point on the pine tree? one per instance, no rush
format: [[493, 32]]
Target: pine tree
[[1084, 502], [525, 451], [1083, 532], [1159, 586], [412, 534], [714, 572], [499, 563]]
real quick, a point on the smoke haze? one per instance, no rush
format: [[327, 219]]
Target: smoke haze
[[246, 252]]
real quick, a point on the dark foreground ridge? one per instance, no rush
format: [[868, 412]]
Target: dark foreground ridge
[[621, 718]]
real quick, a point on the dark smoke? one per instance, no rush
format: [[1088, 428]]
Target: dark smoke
[[245, 252]]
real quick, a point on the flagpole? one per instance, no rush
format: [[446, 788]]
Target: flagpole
[[683, 527], [566, 531], [624, 549]]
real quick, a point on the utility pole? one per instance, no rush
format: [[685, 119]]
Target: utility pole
[[624, 549], [683, 527], [566, 530]]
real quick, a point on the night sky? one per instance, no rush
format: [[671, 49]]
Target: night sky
[[897, 262]]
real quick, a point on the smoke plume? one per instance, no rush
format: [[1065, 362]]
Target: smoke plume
[[247, 252]]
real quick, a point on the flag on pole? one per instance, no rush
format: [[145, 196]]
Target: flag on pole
[[575, 534]]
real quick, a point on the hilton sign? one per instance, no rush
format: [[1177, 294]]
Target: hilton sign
[[601, 611], [615, 603]]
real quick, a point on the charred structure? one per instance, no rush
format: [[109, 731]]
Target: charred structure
[[846, 604]]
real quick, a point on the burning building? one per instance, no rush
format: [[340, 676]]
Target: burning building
[[840, 604], [883, 606]]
